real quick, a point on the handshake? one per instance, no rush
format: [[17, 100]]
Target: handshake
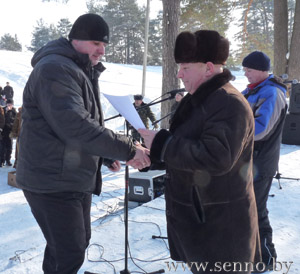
[[141, 158]]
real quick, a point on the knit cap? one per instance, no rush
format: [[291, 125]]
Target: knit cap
[[90, 27], [257, 60]]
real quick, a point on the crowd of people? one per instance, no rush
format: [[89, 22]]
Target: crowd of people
[[220, 152]]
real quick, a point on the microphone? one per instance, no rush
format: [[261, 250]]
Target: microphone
[[294, 81], [158, 237], [175, 91]]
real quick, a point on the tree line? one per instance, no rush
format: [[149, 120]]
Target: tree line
[[127, 27]]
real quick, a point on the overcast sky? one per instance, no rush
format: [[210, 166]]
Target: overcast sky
[[21, 16]]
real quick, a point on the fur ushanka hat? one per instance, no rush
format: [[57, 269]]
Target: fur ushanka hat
[[138, 97], [201, 46]]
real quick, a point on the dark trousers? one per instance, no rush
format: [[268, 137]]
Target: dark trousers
[[6, 148], [262, 187], [64, 219]]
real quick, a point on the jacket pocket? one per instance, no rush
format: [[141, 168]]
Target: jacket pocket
[[183, 212], [198, 207]]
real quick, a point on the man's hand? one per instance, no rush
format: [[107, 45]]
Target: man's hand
[[141, 159], [115, 166], [148, 136]]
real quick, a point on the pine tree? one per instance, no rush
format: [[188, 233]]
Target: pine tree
[[40, 36], [63, 1], [127, 23], [7, 42], [155, 41], [206, 14], [63, 27], [43, 34]]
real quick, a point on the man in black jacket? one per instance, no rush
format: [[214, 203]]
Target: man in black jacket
[[63, 141], [8, 91], [6, 142]]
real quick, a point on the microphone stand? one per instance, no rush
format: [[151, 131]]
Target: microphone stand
[[278, 177], [166, 116], [126, 271], [172, 96]]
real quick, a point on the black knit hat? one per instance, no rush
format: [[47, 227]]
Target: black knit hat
[[90, 27], [138, 97], [201, 46], [257, 60]]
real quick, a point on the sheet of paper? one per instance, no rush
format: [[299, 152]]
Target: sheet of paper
[[125, 107]]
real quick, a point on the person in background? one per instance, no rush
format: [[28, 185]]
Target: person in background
[[2, 119], [8, 91], [2, 101], [178, 97], [266, 96], [6, 147], [207, 152], [63, 141], [145, 113], [15, 133], [2, 98], [2, 124]]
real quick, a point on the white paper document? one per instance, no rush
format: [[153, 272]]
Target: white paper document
[[125, 107]]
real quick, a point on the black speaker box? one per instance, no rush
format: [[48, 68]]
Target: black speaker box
[[291, 129], [146, 186], [294, 106]]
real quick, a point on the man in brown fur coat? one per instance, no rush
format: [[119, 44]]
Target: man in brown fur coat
[[207, 153]]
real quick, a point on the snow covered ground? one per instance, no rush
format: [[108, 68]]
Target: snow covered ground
[[22, 243]]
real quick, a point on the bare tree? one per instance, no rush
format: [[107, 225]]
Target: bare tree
[[280, 37], [282, 47], [294, 56], [171, 10]]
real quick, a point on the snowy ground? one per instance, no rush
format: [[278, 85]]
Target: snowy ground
[[22, 244]]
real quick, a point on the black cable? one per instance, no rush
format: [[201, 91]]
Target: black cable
[[111, 211], [101, 256]]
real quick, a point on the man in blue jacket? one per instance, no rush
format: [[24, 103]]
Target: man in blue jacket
[[266, 96]]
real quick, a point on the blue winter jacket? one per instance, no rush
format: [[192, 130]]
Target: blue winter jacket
[[268, 103]]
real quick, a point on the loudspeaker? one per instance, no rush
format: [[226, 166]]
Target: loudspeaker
[[146, 186], [291, 130], [294, 106]]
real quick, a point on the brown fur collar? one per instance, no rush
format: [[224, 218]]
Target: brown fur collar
[[189, 102]]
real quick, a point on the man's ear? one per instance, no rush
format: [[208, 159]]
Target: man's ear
[[210, 69]]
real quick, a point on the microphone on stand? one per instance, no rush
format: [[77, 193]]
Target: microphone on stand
[[294, 81], [175, 91]]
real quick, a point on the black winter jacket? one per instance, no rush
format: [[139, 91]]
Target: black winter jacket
[[62, 139], [10, 116], [8, 92]]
